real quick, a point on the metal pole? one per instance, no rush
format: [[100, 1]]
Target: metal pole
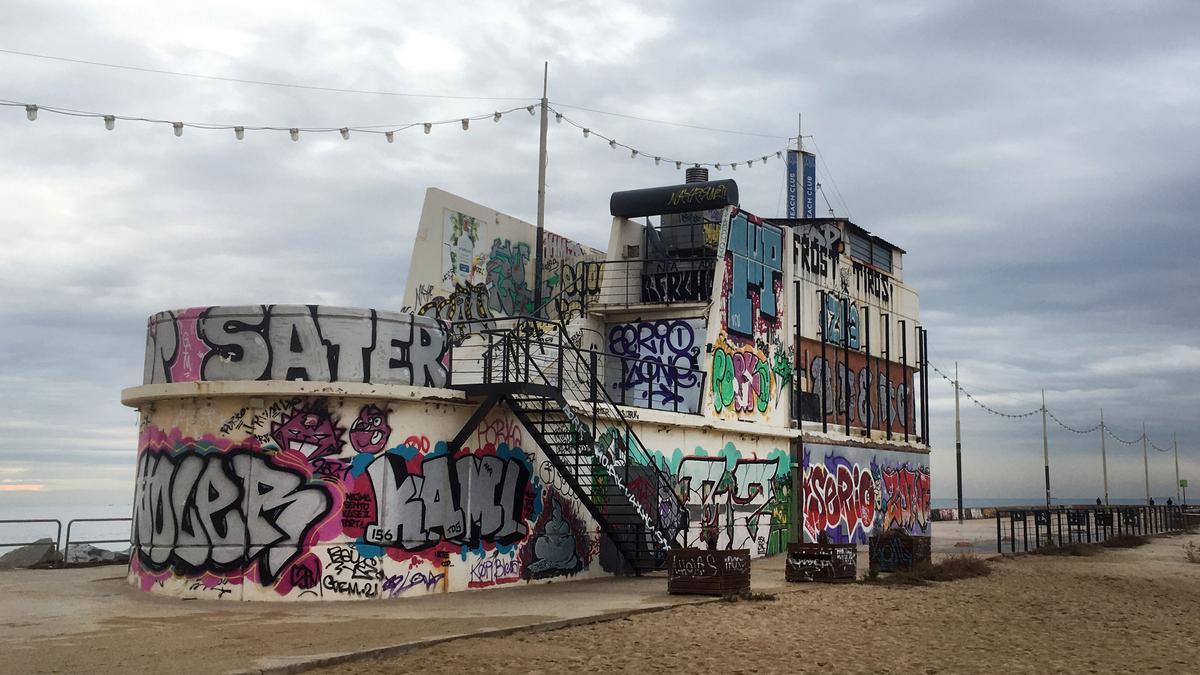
[[958, 444], [1175, 442], [1045, 449], [1146, 462], [824, 365], [846, 358], [541, 203], [1103, 457]]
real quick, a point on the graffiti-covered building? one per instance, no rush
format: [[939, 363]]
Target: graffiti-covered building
[[711, 379]]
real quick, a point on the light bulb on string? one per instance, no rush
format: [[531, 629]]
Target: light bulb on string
[[295, 133], [558, 117], [632, 153], [749, 163], [345, 133], [240, 132], [31, 112], [779, 154], [496, 117], [390, 136], [178, 128], [657, 161], [764, 159], [530, 109], [734, 166], [110, 121], [428, 127], [613, 144], [466, 123], [678, 165], [586, 132], [718, 167]]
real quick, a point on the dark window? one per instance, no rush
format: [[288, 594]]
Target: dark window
[[871, 252]]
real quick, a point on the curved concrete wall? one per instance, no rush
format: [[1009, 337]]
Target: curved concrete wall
[[336, 488], [294, 342]]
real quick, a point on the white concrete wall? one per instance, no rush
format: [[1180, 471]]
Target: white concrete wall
[[472, 262]]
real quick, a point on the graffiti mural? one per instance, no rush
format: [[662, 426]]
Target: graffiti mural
[[559, 544], [879, 391], [755, 252], [853, 493], [732, 501], [467, 302], [316, 498], [750, 364], [202, 507], [294, 342], [657, 364], [461, 265], [470, 500]]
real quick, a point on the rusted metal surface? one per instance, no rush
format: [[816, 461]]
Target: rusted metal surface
[[693, 571], [895, 551], [821, 562]]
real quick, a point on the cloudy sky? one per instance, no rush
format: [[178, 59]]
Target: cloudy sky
[[1039, 161]]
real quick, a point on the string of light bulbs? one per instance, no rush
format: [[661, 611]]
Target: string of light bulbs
[[981, 404], [388, 131], [635, 153], [1107, 428]]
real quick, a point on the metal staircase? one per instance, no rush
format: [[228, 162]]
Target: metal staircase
[[555, 390]]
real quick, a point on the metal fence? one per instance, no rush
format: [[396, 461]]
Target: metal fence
[[67, 544], [25, 521], [58, 545], [1022, 530]]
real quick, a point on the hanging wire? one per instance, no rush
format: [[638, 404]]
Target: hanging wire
[[381, 129], [636, 153], [1070, 428], [1108, 430], [981, 404], [832, 180], [666, 122], [239, 80]]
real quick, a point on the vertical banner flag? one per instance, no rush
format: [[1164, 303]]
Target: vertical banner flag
[[810, 185], [792, 180]]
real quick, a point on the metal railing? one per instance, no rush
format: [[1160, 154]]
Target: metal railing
[[640, 382], [16, 521], [652, 281], [1023, 530], [526, 350], [67, 544]]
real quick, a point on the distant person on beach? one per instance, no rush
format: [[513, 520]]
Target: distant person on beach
[[1169, 502], [1152, 501], [1098, 502]]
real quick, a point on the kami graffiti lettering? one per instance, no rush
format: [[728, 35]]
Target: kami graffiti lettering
[[468, 500]]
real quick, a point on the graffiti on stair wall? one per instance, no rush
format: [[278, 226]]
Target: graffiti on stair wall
[[853, 493], [294, 342], [750, 366], [656, 364], [324, 498], [731, 500]]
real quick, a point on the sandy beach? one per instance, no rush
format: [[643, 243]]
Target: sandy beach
[[1120, 611]]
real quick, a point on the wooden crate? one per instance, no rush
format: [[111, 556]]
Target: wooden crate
[[894, 551], [692, 571], [821, 562]]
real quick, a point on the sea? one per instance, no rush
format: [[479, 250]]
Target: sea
[[84, 529]]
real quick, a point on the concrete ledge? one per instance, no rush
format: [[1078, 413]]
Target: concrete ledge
[[146, 393]]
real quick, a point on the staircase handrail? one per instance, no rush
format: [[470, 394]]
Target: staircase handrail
[[523, 340], [613, 411]]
